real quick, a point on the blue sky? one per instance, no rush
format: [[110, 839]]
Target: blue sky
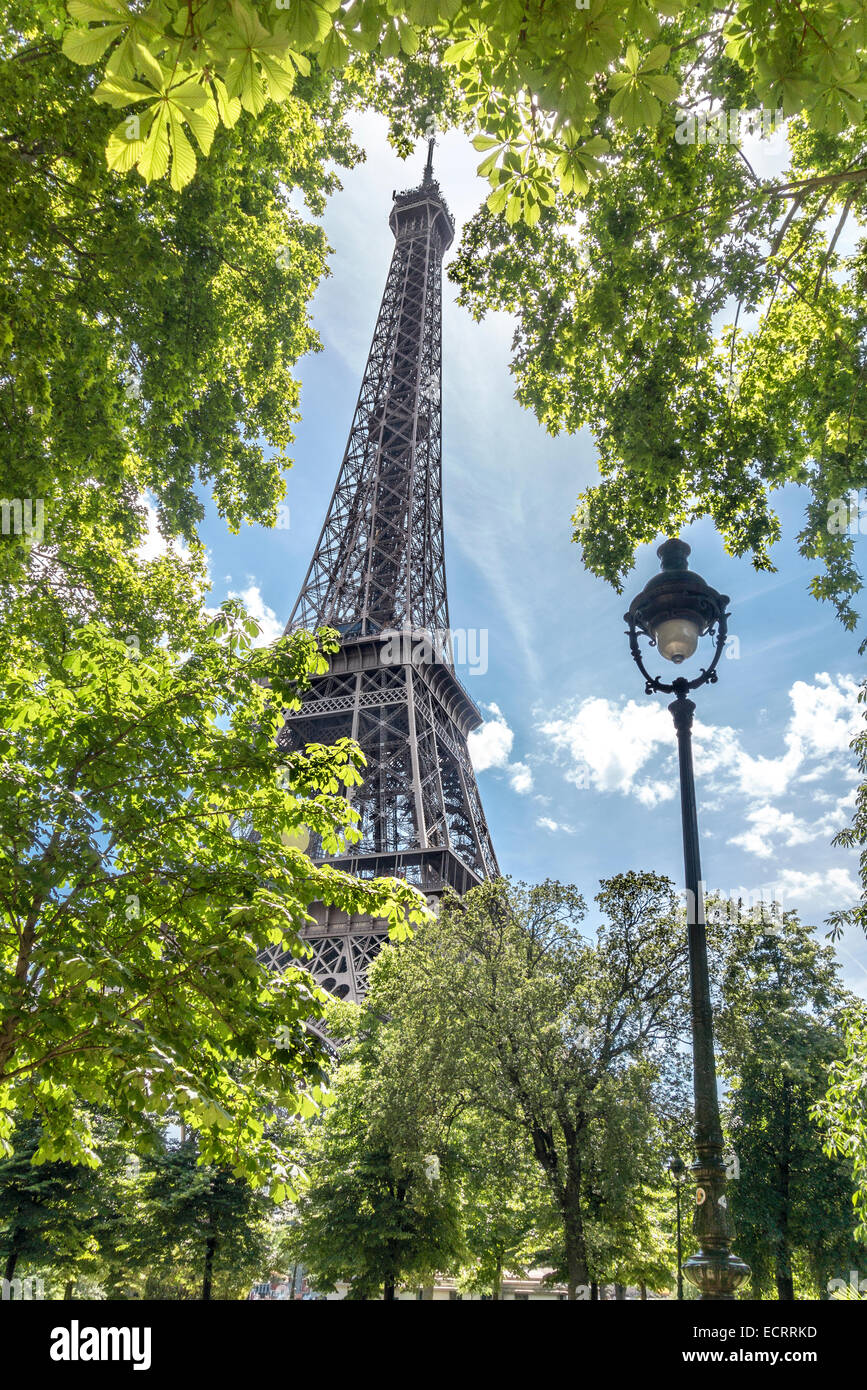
[[576, 765]]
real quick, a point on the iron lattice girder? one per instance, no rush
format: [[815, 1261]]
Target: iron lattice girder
[[378, 574], [411, 721], [380, 557]]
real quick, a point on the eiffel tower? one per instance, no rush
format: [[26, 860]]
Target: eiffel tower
[[378, 577]]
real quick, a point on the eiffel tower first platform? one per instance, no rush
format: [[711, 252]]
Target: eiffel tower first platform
[[378, 577]]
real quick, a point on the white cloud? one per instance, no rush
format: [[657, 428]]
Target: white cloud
[[722, 758], [490, 747], [650, 794], [607, 746], [767, 824], [491, 744], [520, 778], [830, 888], [826, 715], [825, 718], [546, 823], [270, 625], [155, 544]]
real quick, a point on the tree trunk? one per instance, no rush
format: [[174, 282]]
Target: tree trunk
[[498, 1283], [620, 1292], [388, 1291], [594, 1291], [573, 1216], [12, 1258], [576, 1255], [210, 1251], [783, 1271], [69, 1291], [643, 1291]]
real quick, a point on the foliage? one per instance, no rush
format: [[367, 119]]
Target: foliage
[[854, 836], [843, 1109], [144, 809], [532, 77], [506, 1211], [56, 1216], [778, 1027], [149, 337], [200, 1229], [510, 1011], [644, 240], [375, 1214], [707, 327]]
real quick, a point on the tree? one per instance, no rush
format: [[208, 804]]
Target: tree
[[381, 1207], [145, 809], [706, 326], [843, 1108], [854, 836], [62, 1219], [39, 1220], [779, 1034], [199, 1227], [530, 1022], [506, 1209], [151, 335], [532, 76], [618, 332], [626, 1202]]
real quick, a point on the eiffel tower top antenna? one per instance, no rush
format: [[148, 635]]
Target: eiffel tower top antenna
[[428, 169]]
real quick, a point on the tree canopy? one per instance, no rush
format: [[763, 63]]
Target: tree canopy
[[145, 810], [512, 1013], [780, 1026]]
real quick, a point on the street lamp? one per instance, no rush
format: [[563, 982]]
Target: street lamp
[[674, 610], [677, 1169]]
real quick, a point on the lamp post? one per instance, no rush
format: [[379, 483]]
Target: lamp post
[[676, 608], [677, 1169]]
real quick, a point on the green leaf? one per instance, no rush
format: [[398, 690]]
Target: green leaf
[[334, 52], [307, 23], [656, 58], [123, 153], [183, 156], [149, 68], [98, 9], [154, 161], [514, 208], [86, 46], [409, 40], [460, 52], [228, 108], [281, 77], [118, 91]]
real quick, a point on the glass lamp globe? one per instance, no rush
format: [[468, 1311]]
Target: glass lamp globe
[[676, 639], [296, 839]]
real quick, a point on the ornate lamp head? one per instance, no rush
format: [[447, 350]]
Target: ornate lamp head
[[677, 1168], [674, 610]]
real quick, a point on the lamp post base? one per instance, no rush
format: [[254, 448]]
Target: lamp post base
[[717, 1274]]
